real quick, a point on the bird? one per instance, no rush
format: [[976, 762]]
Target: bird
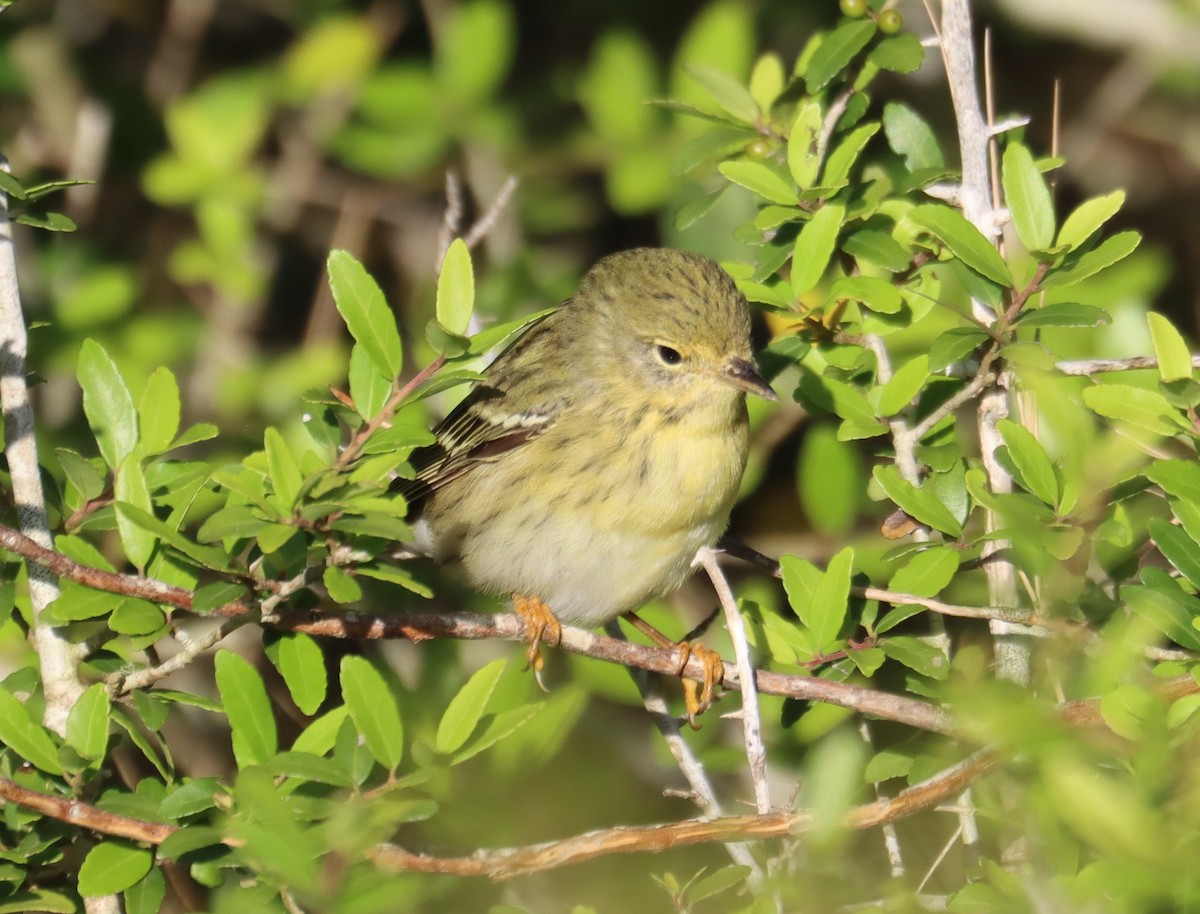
[[600, 451]]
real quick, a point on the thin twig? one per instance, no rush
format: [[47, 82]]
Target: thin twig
[[485, 223], [756, 752], [692, 769]]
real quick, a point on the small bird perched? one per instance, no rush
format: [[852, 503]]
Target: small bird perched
[[602, 450]]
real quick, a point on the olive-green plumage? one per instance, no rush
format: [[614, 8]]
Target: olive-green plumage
[[604, 448]]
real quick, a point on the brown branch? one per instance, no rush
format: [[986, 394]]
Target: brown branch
[[640, 839], [503, 626], [507, 863], [74, 812]]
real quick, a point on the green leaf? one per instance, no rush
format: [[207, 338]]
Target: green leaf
[[474, 49], [920, 503], [877, 294], [201, 431], [835, 51], [361, 303], [825, 613], [205, 555], [11, 185], [1088, 218], [1174, 357], [496, 728], [767, 81], [1180, 478], [1035, 471], [802, 145], [904, 385], [966, 242], [107, 403], [189, 839], [236, 521], [1064, 314], [146, 897], [137, 617], [955, 345], [87, 722], [900, 54], [927, 573], [878, 249], [369, 387], [130, 488], [341, 585], [309, 767], [734, 99], [42, 901], [1028, 198], [217, 594], [911, 138], [301, 663], [1177, 547], [158, 412], [113, 866], [1167, 608], [760, 179], [814, 247], [87, 480], [1104, 255], [28, 739], [374, 711], [916, 655], [283, 467], [722, 880], [845, 154], [466, 708], [456, 289], [1146, 409], [247, 708], [51, 222]]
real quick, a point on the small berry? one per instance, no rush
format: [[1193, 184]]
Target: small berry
[[758, 149], [890, 22], [855, 9]]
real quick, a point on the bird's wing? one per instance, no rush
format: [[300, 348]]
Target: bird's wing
[[514, 404]]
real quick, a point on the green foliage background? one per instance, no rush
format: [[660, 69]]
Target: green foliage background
[[234, 145]]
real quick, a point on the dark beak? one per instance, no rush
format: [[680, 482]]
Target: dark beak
[[743, 373]]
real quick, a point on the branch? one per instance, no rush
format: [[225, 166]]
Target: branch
[[58, 658], [504, 864], [66, 809], [502, 626], [1096, 366], [520, 861], [692, 769], [756, 752]]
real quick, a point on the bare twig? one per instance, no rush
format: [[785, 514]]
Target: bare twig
[[756, 752], [57, 656], [1099, 366], [692, 769], [485, 223]]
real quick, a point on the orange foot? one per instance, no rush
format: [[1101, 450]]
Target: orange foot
[[697, 696], [540, 625]]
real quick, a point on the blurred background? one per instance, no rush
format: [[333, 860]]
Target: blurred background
[[233, 143]]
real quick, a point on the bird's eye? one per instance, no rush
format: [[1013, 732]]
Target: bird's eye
[[667, 355]]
